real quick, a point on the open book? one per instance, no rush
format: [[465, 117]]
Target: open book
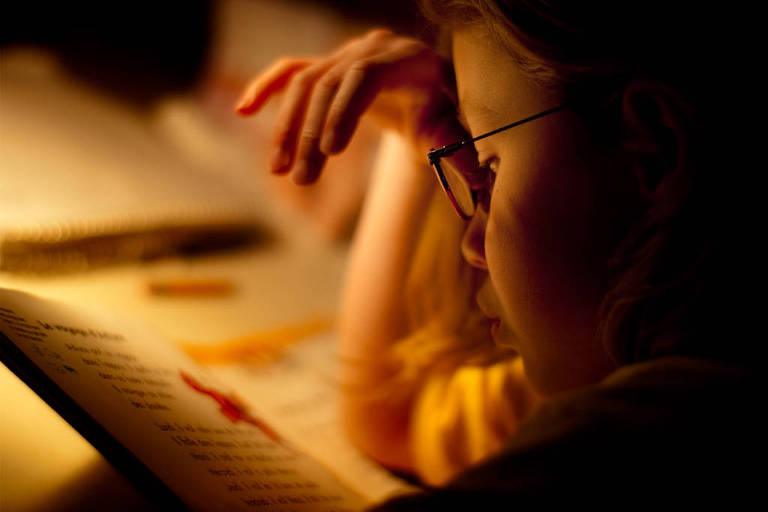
[[175, 429]]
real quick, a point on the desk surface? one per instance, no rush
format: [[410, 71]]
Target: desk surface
[[47, 465]]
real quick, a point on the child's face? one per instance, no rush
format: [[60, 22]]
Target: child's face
[[559, 207]]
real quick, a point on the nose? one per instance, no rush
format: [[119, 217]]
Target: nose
[[473, 242]]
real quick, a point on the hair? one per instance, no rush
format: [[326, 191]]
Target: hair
[[677, 288], [447, 329]]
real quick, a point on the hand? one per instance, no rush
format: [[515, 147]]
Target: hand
[[401, 82]]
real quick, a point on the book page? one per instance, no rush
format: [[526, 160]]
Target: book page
[[299, 395], [173, 416]]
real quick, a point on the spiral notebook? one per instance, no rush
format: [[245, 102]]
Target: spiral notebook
[[87, 180]]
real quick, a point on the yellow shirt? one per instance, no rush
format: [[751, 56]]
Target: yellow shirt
[[463, 417]]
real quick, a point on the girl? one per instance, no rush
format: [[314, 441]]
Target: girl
[[591, 243]]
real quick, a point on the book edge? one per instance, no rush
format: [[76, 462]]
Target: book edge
[[149, 485]]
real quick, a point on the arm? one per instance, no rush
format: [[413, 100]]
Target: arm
[[403, 85], [372, 313]]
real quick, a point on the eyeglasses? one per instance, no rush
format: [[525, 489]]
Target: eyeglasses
[[448, 162]]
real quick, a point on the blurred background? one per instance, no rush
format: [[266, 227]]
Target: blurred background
[[119, 140], [123, 168]]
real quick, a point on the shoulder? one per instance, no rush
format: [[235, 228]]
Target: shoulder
[[675, 428], [461, 417]]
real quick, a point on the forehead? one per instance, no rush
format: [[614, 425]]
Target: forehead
[[490, 83]]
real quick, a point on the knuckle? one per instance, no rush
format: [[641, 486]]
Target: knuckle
[[363, 72], [336, 111], [280, 66], [308, 139], [283, 62], [379, 34], [306, 78], [328, 81], [347, 47], [413, 46], [302, 79], [362, 67]]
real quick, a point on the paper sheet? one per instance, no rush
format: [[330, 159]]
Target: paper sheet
[[132, 382]]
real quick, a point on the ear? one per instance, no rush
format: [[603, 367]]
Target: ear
[[655, 137]]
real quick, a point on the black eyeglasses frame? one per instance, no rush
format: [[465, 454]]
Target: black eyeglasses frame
[[435, 155]]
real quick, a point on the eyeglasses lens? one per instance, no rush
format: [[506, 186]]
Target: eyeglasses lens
[[460, 170], [458, 188]]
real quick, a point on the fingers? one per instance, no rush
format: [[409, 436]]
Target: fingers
[[354, 95], [302, 121], [268, 83], [293, 136], [310, 159], [324, 99], [323, 83], [362, 82]]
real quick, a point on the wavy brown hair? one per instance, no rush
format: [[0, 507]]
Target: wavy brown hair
[[679, 279]]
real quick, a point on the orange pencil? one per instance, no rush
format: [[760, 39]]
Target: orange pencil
[[191, 287]]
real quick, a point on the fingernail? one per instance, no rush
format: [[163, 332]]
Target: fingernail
[[299, 174], [279, 160], [326, 143]]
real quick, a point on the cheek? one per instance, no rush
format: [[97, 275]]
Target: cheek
[[545, 291], [545, 254], [542, 225], [549, 304], [549, 197]]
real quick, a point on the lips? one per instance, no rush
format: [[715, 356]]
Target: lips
[[495, 324], [481, 304], [488, 304], [495, 321], [487, 301]]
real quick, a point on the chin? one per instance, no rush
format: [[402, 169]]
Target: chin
[[503, 336]]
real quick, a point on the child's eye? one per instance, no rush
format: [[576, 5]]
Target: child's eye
[[491, 165], [488, 166]]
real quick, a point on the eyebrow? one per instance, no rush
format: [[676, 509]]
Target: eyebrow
[[476, 107], [462, 117]]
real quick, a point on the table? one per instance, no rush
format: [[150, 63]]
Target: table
[[44, 463]]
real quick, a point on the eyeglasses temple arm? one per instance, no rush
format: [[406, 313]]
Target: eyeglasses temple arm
[[436, 154], [518, 123]]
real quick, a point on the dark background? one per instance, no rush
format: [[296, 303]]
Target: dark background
[[140, 50]]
